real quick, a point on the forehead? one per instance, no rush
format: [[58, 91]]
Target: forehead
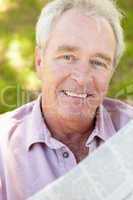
[[76, 28]]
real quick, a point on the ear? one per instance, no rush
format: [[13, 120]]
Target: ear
[[112, 72], [38, 62]]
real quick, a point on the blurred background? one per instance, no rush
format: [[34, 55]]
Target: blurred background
[[18, 80]]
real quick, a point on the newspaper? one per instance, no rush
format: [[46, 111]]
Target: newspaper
[[106, 174]]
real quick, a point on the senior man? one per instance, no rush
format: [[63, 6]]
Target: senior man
[[79, 44]]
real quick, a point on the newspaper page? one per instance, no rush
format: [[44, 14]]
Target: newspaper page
[[106, 174]]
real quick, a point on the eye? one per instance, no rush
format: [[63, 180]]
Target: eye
[[97, 63], [67, 58]]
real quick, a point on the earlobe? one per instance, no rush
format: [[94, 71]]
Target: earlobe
[[37, 56]]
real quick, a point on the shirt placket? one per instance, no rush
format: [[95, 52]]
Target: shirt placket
[[66, 159]]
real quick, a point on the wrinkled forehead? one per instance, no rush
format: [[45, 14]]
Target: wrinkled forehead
[[74, 24], [78, 16]]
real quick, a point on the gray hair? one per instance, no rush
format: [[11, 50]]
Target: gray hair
[[104, 8]]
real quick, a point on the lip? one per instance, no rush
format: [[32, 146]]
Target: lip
[[78, 93]]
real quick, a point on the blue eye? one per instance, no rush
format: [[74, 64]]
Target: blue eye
[[67, 57], [97, 63]]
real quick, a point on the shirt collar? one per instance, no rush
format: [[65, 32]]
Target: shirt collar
[[104, 128], [38, 132]]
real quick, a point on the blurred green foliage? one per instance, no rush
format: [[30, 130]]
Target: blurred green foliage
[[18, 80]]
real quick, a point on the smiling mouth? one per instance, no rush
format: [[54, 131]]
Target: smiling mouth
[[76, 95]]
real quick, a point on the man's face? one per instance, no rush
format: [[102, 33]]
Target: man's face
[[76, 66]]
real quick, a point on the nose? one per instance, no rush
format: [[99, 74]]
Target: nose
[[81, 74]]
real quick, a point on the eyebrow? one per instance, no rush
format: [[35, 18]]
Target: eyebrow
[[70, 48], [67, 48], [103, 56]]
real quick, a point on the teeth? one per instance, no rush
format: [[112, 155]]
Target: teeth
[[75, 95]]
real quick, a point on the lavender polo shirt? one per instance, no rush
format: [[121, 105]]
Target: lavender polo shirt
[[30, 158]]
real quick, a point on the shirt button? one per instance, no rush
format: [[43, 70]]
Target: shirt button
[[65, 154]]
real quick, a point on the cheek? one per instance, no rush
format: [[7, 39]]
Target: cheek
[[101, 83], [56, 74], [53, 76]]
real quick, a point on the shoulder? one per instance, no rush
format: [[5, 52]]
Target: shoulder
[[120, 112], [19, 113], [11, 120], [115, 105], [10, 135]]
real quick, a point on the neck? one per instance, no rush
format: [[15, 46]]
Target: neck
[[73, 139], [71, 133], [76, 143]]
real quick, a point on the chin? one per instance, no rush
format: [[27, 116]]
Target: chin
[[71, 115]]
